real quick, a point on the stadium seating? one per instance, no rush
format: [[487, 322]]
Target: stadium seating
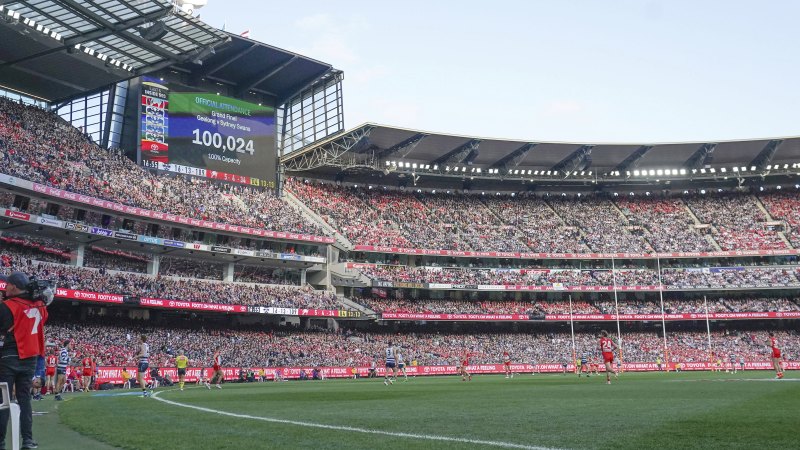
[[672, 278], [553, 224], [38, 146], [785, 206], [738, 221], [672, 305], [167, 287], [116, 345]]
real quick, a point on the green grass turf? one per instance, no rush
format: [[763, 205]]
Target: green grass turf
[[653, 410]]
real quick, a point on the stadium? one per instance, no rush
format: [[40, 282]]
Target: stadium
[[199, 188]]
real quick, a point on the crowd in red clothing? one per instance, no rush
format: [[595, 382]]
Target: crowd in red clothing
[[783, 205]]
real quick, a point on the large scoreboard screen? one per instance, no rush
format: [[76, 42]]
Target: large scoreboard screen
[[206, 134]]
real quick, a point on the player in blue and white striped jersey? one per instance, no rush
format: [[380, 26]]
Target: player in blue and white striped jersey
[[391, 365], [61, 369], [144, 363]]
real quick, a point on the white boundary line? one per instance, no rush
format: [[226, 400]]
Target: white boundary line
[[427, 437]]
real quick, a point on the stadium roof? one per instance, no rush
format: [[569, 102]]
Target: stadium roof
[[372, 146], [58, 49], [252, 66]]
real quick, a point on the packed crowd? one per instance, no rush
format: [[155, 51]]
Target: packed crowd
[[190, 268], [342, 209], [602, 306], [739, 223], [15, 249], [109, 259], [117, 345], [667, 224], [785, 206], [36, 145], [733, 277], [550, 225], [523, 277], [542, 229], [438, 306], [675, 278], [265, 275], [473, 222], [604, 228], [132, 284]]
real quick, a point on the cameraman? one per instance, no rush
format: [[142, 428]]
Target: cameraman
[[23, 320]]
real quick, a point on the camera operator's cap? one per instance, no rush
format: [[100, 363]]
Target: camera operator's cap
[[19, 280]]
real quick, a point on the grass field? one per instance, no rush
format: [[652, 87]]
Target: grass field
[[651, 410]]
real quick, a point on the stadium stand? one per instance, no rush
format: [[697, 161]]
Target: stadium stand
[[738, 221], [247, 348], [38, 146]]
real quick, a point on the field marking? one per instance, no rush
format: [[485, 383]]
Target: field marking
[[117, 394], [775, 380], [428, 437]]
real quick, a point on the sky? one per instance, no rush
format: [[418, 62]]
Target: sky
[[575, 71]]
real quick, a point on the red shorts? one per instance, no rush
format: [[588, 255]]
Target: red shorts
[[608, 357], [50, 371], [87, 372], [216, 368], [776, 352], [507, 363]]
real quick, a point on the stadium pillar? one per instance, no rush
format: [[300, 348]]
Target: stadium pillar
[[154, 265], [303, 277], [79, 254], [227, 276]]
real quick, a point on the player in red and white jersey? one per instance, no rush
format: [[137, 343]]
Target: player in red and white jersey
[[216, 365], [776, 355], [87, 372], [50, 371], [607, 347], [507, 364], [464, 363]]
